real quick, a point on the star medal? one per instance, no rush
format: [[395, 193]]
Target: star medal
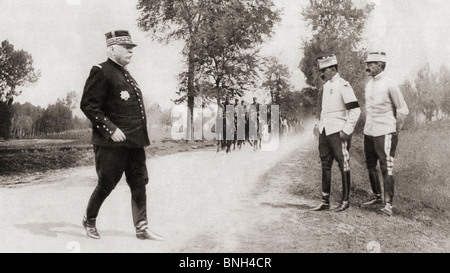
[[124, 95]]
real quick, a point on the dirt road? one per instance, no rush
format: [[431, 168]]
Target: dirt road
[[202, 202]]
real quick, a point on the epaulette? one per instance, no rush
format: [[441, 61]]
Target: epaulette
[[99, 66], [344, 82]]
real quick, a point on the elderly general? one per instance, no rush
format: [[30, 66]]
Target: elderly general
[[113, 102]]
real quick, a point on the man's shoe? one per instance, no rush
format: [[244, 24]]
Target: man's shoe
[[322, 206], [91, 230], [387, 210], [343, 206], [375, 200], [147, 234]]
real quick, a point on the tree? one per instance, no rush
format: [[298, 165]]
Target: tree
[[16, 70], [444, 88], [337, 29], [428, 91], [227, 47], [412, 100], [24, 119], [56, 118], [276, 76], [216, 34], [170, 20]]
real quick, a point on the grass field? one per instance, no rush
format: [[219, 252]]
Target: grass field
[[422, 175], [73, 149]]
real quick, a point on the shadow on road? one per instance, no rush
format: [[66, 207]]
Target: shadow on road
[[286, 205], [55, 229]]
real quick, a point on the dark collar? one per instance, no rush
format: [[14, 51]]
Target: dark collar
[[113, 63]]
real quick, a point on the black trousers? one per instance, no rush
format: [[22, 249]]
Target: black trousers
[[111, 163], [382, 149], [332, 148]]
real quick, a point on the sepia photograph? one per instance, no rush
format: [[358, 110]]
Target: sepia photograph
[[224, 126]]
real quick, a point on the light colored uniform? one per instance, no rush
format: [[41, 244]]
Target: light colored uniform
[[386, 108], [340, 108], [386, 111]]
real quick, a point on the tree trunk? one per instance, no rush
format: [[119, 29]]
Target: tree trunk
[[190, 97]]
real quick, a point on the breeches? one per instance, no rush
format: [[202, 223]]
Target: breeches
[[332, 148], [380, 148]]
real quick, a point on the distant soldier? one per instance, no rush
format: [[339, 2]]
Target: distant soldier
[[254, 133], [316, 132], [386, 111], [340, 112]]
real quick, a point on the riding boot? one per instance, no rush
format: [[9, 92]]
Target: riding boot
[[376, 188], [89, 225], [326, 188], [388, 194], [139, 211], [345, 191]]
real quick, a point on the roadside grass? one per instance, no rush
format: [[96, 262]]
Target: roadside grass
[[72, 149], [422, 175]]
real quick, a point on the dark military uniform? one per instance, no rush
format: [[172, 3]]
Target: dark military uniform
[[112, 99]]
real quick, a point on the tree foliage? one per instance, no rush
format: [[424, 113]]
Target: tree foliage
[[16, 70], [220, 39], [276, 78], [336, 26]]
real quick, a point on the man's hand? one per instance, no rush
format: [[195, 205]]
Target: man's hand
[[118, 136], [344, 136]]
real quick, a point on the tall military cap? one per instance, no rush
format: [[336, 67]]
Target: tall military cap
[[376, 57], [119, 37], [326, 61]]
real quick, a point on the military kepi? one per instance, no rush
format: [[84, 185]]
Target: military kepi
[[119, 37], [326, 61], [376, 57]]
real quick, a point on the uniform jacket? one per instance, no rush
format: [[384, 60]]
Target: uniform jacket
[[386, 108], [340, 108], [112, 99]]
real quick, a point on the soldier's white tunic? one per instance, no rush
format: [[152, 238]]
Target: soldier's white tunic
[[340, 108]]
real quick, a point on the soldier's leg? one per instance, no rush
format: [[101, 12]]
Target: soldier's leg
[[326, 157], [137, 178], [371, 162], [386, 146], [110, 166], [341, 154]]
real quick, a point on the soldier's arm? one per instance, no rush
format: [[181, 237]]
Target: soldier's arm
[[92, 101], [401, 108], [352, 106]]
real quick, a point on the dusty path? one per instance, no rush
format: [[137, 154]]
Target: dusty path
[[204, 202], [197, 200]]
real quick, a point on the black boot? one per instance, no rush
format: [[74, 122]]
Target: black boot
[[89, 225], [376, 189], [326, 188], [345, 191], [388, 194], [324, 205], [139, 211], [143, 233]]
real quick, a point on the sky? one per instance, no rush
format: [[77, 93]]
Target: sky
[[66, 38]]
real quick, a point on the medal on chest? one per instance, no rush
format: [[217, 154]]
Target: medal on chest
[[124, 95]]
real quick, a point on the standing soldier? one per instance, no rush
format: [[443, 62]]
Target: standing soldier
[[386, 111], [316, 132], [112, 100], [340, 112]]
